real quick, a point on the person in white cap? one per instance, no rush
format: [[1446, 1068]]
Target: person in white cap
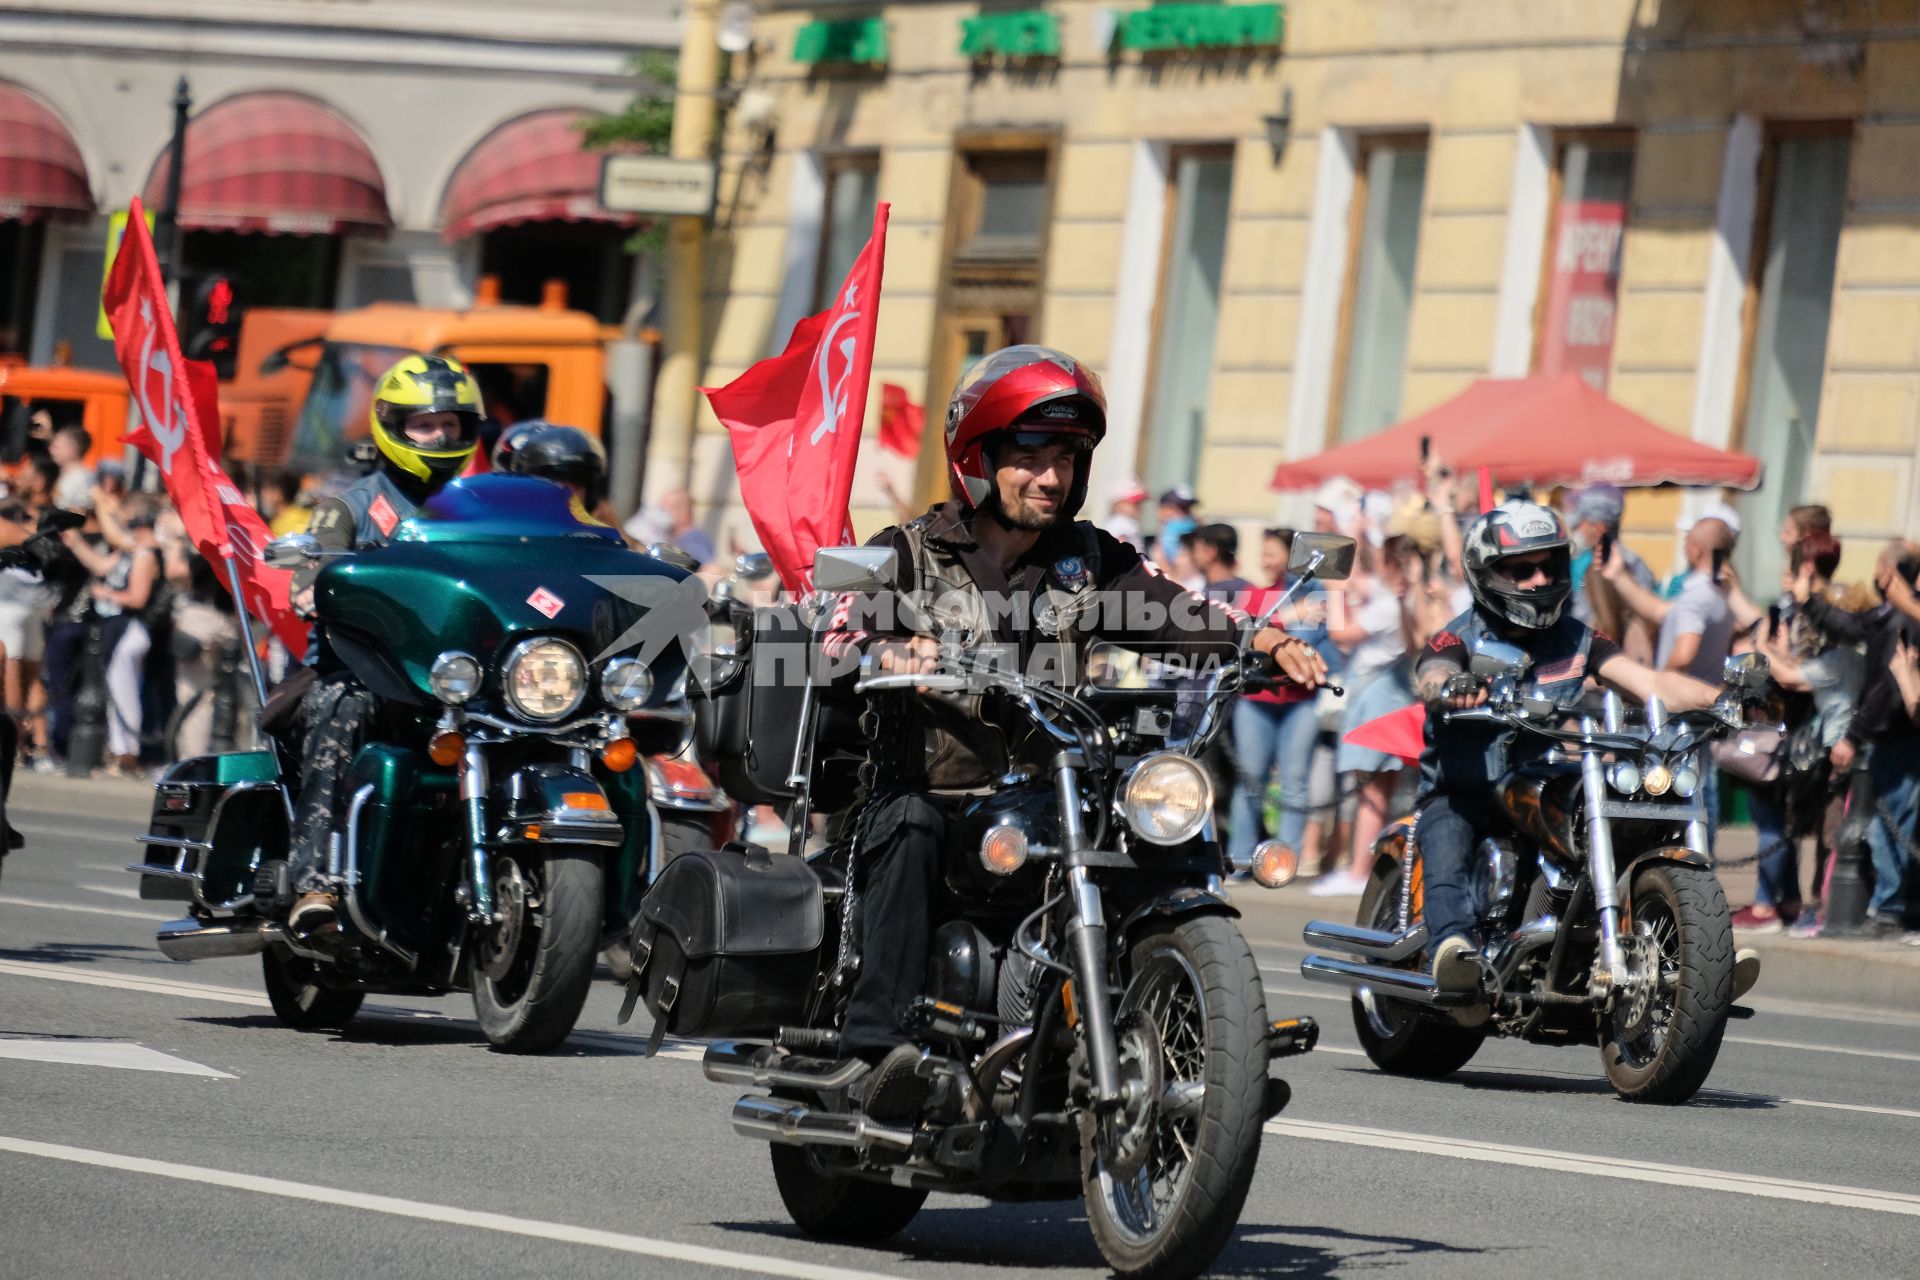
[[1123, 515]]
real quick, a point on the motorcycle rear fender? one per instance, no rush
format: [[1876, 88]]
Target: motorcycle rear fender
[[552, 803], [1171, 904]]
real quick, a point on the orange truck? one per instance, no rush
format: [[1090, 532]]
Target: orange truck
[[72, 397]]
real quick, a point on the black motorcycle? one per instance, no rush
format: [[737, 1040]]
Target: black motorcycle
[[1096, 1026]]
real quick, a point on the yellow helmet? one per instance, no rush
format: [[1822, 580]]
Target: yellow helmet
[[426, 384]]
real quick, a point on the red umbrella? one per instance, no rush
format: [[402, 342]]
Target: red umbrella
[[1399, 733], [1540, 431]]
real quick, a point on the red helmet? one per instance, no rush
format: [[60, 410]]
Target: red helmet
[[1024, 390]]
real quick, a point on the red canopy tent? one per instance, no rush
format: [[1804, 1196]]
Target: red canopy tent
[[1540, 431]]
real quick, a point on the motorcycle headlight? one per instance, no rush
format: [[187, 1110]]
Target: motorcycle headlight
[[1624, 777], [1166, 798], [454, 677], [545, 678], [1658, 779], [625, 684], [1686, 781]]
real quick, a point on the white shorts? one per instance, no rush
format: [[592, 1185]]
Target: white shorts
[[23, 630]]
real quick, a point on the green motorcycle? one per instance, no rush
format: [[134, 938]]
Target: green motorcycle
[[500, 826]]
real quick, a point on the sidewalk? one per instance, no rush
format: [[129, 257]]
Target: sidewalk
[[1883, 975]]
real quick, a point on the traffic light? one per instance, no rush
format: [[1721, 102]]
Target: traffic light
[[212, 322]]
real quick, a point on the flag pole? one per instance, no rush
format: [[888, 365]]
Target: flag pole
[[246, 631]]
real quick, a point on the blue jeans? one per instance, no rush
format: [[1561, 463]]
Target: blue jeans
[[1894, 770], [1447, 830], [1778, 870], [1265, 732]]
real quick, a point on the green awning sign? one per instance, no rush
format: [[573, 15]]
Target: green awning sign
[[1200, 26], [1027, 33], [862, 40]]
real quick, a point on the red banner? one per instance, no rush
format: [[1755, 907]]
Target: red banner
[[1582, 295], [902, 422], [179, 432], [795, 421]]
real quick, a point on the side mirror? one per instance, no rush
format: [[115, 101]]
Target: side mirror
[[857, 569], [1746, 671], [1495, 658], [674, 556], [292, 551], [754, 566], [1329, 556]]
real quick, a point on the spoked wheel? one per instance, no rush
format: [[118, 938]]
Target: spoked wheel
[[1397, 1039], [298, 999], [1166, 1176], [532, 967], [1665, 1029]]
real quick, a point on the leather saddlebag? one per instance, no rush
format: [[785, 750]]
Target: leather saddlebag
[[726, 942]]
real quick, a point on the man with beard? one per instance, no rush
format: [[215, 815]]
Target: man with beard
[[1005, 568]]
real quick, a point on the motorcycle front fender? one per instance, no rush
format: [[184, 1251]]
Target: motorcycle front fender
[[1171, 904], [1623, 886], [553, 803]]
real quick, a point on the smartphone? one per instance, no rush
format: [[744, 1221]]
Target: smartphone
[[1604, 552], [1426, 448], [1719, 563]]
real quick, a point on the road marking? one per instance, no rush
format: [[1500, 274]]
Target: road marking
[[1602, 1166], [1889, 1054], [450, 1215], [111, 890], [1851, 1106], [148, 916], [103, 1053], [131, 982]]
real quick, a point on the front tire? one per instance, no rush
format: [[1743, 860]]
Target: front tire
[[832, 1206], [1397, 1039], [298, 999], [1196, 985], [1681, 930], [531, 1001]]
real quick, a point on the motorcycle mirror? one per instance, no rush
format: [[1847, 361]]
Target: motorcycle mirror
[[1746, 671], [754, 566], [1493, 658], [1328, 555], [292, 550], [674, 556], [857, 569]]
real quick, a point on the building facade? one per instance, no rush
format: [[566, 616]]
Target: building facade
[[337, 153], [1277, 227]]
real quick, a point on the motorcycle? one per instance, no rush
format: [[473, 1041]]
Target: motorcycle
[[1095, 1026], [498, 833], [1602, 919]]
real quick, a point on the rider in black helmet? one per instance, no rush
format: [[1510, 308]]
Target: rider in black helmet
[[567, 455]]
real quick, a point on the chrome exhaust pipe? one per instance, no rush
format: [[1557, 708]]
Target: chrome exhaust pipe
[[191, 939], [1374, 944], [1401, 984], [734, 1062], [794, 1123]]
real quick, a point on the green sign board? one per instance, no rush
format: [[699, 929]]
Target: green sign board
[[842, 40], [1027, 33], [1200, 26]]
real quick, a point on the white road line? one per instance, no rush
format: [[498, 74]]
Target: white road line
[[1889, 1054], [1851, 1106], [149, 916], [103, 1053], [449, 1215], [131, 982], [112, 890], [1601, 1166]]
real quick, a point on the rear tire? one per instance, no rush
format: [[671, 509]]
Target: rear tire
[[535, 1006], [1396, 1037], [1682, 911], [298, 999], [832, 1206]]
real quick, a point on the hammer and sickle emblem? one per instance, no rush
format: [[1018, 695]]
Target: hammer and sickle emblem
[[167, 423], [833, 392]]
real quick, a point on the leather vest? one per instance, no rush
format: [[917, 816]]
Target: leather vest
[[1462, 758]]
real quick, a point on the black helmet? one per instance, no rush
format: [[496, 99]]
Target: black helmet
[[565, 454], [510, 438], [1518, 528]]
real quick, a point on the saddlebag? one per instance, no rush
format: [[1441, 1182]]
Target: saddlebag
[[725, 943]]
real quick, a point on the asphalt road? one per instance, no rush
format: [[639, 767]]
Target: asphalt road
[[155, 1121]]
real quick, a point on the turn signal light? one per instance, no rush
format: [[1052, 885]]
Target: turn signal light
[[583, 800], [1657, 780], [619, 755], [1003, 850], [446, 749], [1274, 865]]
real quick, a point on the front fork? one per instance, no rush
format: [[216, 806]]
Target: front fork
[[1610, 973], [473, 795], [1087, 929]]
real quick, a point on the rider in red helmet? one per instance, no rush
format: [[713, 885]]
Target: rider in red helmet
[[1002, 565]]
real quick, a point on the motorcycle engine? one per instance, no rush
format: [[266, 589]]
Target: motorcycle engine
[[964, 969]]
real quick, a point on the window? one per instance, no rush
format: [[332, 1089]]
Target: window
[[1202, 184], [275, 271], [1387, 203], [1805, 186], [590, 258], [1581, 291], [19, 280], [853, 188], [1004, 209]]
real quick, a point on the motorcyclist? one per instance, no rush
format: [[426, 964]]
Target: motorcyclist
[[426, 426], [1518, 567], [1003, 567]]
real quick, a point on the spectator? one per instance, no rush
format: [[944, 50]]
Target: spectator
[[1696, 627], [126, 586], [1175, 522], [1594, 519], [69, 451], [1123, 517], [675, 515], [25, 603], [284, 505], [1883, 733], [1216, 556]]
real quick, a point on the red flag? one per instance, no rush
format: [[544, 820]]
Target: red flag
[[901, 421], [179, 428], [795, 421]]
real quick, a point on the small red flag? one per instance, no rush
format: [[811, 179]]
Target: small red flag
[[179, 432], [901, 421], [795, 421]]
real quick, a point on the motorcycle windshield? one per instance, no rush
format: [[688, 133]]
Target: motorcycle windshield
[[495, 506]]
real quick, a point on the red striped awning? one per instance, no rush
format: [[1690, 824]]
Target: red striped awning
[[276, 163], [530, 169], [41, 172]]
